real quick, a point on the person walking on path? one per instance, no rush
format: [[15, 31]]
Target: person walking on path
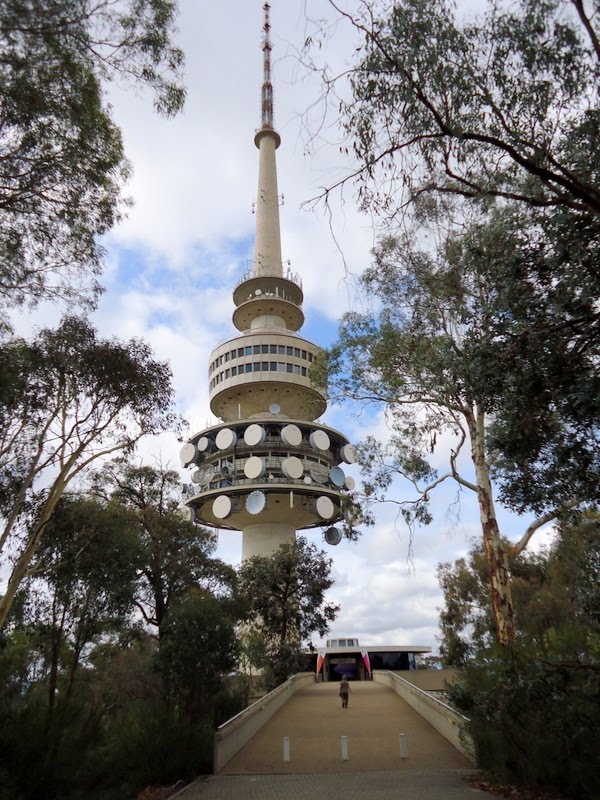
[[345, 691]]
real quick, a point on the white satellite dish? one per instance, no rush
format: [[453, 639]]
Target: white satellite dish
[[348, 454], [255, 502], [188, 454], [337, 476], [291, 435], [258, 292], [333, 536], [190, 513], [221, 506], [203, 444], [319, 440], [226, 439], [274, 408], [204, 475], [307, 480], [292, 468], [254, 435], [325, 507], [350, 483], [254, 468]]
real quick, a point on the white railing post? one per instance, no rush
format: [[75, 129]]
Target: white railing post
[[345, 748], [286, 748], [403, 748]]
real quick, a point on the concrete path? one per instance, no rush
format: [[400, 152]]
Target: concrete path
[[390, 785], [314, 721]]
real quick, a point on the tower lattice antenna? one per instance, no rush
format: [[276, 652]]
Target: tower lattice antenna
[[267, 87]]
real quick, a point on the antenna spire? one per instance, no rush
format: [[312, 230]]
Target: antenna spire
[[267, 87]]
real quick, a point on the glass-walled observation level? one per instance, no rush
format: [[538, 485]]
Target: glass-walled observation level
[[271, 470], [249, 373], [267, 295]]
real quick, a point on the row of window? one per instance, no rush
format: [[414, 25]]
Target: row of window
[[258, 366], [258, 349]]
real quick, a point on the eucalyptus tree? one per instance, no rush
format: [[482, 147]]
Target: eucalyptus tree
[[474, 106], [175, 555], [431, 355], [286, 597], [71, 398], [533, 712], [495, 338], [558, 598], [62, 164], [81, 585]]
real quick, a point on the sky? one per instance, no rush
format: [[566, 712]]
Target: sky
[[173, 263]]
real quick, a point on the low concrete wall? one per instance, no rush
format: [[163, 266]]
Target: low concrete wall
[[232, 735], [444, 719], [430, 680]]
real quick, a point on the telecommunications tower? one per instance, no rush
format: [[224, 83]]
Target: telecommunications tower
[[268, 469]]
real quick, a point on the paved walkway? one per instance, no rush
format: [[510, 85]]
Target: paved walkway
[[390, 785], [314, 722]]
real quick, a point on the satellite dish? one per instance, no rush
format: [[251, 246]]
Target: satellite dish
[[204, 444], [254, 435], [258, 292], [190, 513], [325, 508], [348, 454], [254, 468], [319, 473], [226, 439], [291, 435], [255, 502], [274, 408], [204, 475], [337, 476], [188, 454], [333, 536], [221, 507], [307, 480], [350, 483], [319, 440], [292, 468]]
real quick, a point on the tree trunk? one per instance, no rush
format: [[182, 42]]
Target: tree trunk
[[497, 554], [22, 564]]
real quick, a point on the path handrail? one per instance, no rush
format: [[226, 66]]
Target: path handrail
[[233, 734], [428, 695], [451, 724]]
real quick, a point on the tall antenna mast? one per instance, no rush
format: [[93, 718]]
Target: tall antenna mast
[[267, 87]]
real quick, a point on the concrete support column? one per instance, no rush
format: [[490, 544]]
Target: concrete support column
[[263, 540]]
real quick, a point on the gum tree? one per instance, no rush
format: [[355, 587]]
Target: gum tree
[[429, 354], [62, 165], [285, 593], [71, 398], [175, 555]]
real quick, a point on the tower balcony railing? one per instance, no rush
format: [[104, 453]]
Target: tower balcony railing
[[287, 273]]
